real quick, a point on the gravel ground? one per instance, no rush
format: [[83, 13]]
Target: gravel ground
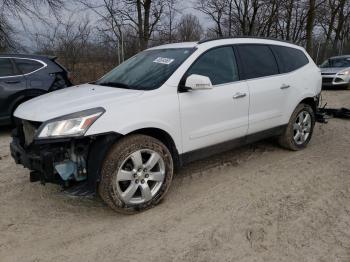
[[256, 203]]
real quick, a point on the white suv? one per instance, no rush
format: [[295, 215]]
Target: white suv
[[124, 134]]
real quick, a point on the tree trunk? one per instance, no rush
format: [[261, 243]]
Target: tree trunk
[[334, 11], [139, 24], [146, 27], [310, 25], [341, 20]]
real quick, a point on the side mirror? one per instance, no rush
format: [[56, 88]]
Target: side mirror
[[198, 82]]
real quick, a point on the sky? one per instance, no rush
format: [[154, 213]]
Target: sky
[[33, 26]]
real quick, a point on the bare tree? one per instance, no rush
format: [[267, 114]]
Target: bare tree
[[113, 24], [310, 24], [169, 22], [189, 28], [215, 9], [18, 9], [344, 15], [7, 41], [71, 41], [143, 16]]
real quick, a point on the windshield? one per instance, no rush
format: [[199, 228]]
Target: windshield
[[147, 70], [336, 62]]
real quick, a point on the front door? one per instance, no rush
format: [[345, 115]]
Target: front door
[[219, 114]]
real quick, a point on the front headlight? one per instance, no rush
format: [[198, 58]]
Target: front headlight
[[75, 124], [344, 72]]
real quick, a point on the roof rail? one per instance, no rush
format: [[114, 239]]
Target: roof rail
[[237, 37], [34, 56]]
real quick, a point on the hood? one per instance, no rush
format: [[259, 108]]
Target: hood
[[71, 100], [332, 70]]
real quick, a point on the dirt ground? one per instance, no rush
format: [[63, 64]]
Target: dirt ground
[[256, 203]]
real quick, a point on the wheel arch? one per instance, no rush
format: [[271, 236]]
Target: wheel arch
[[102, 144], [165, 138], [309, 99], [311, 102]]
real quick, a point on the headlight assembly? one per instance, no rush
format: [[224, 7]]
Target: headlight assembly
[[75, 124], [344, 72]]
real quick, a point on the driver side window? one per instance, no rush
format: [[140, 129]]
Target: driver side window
[[218, 64]]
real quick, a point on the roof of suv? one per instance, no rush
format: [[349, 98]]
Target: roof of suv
[[228, 40], [29, 56]]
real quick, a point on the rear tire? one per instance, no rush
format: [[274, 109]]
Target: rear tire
[[136, 174], [299, 130]]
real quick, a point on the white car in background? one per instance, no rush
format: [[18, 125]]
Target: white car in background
[[123, 135], [336, 72]]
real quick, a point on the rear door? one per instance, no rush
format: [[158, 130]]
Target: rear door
[[216, 115], [268, 89], [300, 77], [35, 76], [12, 83]]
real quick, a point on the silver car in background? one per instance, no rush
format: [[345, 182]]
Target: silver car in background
[[336, 72]]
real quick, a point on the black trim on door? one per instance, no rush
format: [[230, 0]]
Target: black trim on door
[[228, 145], [278, 61]]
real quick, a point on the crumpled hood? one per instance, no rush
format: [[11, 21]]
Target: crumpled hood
[[71, 100], [332, 70]]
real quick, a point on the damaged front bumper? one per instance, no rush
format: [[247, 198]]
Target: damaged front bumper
[[70, 162]]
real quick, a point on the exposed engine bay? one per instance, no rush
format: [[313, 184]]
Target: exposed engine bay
[[66, 161]]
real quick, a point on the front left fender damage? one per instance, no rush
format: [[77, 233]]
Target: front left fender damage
[[74, 163]]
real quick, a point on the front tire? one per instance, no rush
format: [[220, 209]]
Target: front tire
[[136, 174], [299, 130]]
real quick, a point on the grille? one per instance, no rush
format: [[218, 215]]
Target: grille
[[327, 74], [327, 79]]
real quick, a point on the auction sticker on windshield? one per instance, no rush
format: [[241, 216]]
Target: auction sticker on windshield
[[163, 60]]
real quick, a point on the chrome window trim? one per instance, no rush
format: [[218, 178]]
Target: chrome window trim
[[31, 59]]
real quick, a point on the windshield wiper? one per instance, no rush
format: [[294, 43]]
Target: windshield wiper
[[115, 84]]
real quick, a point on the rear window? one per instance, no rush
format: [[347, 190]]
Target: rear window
[[27, 66], [290, 59], [6, 67], [258, 61]]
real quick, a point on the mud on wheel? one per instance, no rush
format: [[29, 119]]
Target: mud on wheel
[[136, 174]]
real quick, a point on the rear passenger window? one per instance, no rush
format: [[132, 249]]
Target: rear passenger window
[[6, 67], [258, 61], [218, 64], [289, 58], [27, 66]]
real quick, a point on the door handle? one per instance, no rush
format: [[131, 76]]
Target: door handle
[[239, 95], [284, 86], [12, 82]]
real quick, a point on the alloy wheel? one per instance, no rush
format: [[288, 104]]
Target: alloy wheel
[[302, 127], [140, 176]]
